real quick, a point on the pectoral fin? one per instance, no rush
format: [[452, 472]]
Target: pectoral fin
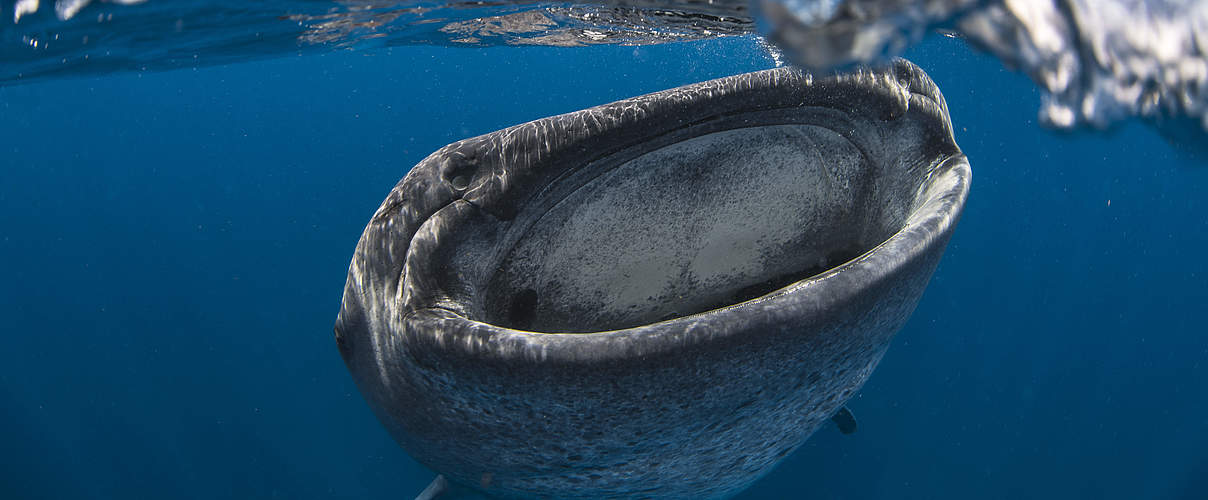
[[443, 489], [845, 420]]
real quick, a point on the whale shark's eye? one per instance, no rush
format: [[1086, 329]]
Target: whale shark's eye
[[460, 182], [459, 172]]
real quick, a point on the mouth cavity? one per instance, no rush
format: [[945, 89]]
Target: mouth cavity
[[695, 225]]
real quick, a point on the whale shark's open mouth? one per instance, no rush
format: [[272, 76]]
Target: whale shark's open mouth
[[677, 218], [706, 222]]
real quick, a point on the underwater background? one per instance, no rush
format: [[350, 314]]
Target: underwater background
[[173, 249]]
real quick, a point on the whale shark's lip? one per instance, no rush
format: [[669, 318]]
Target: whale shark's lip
[[470, 171]]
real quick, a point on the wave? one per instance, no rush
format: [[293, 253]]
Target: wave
[[1099, 61]]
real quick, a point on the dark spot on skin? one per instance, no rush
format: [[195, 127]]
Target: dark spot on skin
[[523, 310], [343, 342]]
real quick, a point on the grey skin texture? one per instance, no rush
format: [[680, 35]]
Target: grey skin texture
[[658, 297]]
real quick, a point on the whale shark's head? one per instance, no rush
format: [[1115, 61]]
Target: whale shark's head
[[748, 245]]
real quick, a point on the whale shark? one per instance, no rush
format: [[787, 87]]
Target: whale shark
[[658, 297]]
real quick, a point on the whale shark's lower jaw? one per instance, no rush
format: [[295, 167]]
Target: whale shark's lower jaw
[[662, 296]]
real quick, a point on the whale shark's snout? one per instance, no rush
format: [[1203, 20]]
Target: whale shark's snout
[[657, 297]]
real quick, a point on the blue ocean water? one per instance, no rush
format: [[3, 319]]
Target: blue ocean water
[[173, 247]]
